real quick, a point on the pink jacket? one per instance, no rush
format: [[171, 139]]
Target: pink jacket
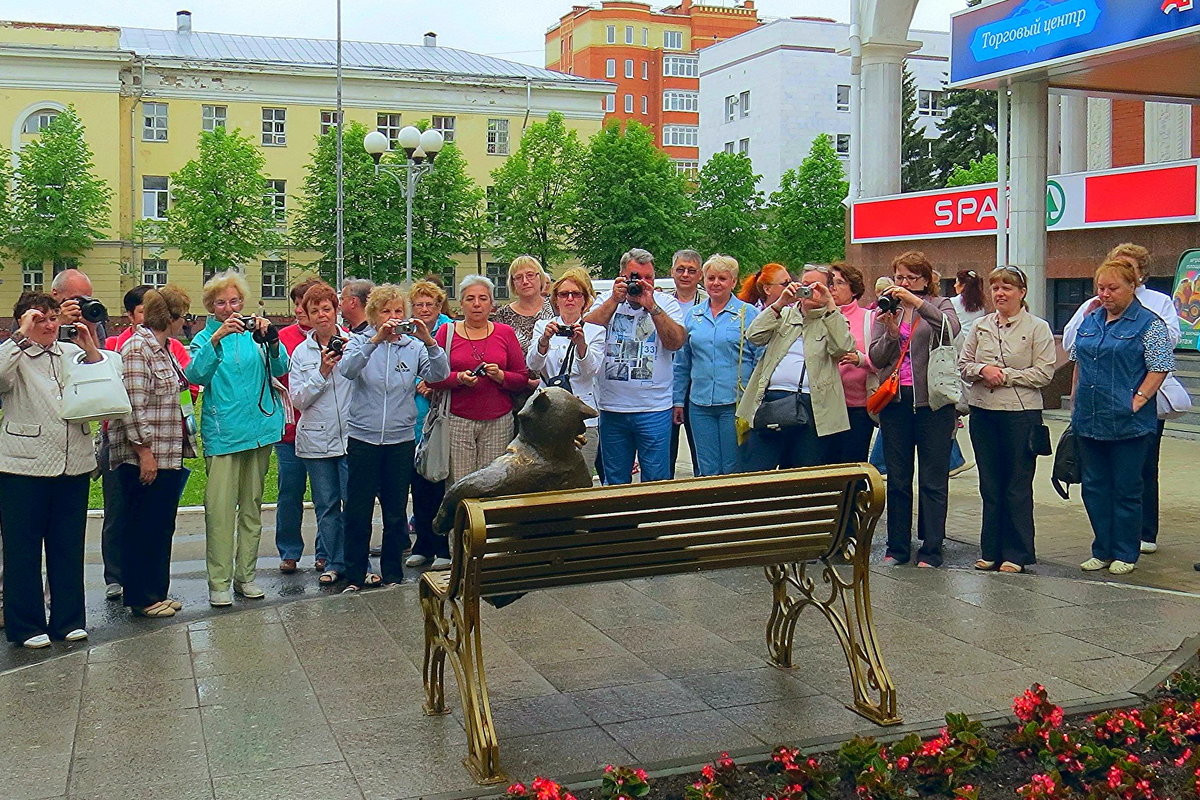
[[854, 378]]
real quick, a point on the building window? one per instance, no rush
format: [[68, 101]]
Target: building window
[[389, 126], [676, 100], [213, 117], [33, 276], [628, 104], [628, 34], [497, 137], [645, 70], [681, 136], [645, 37], [1068, 294], [687, 167], [497, 272], [610, 68], [629, 68], [744, 103], [444, 126], [672, 40], [744, 147], [154, 122], [492, 208], [274, 126], [274, 280], [39, 120], [645, 104], [449, 278], [841, 143], [155, 196], [929, 103], [611, 34], [843, 97], [275, 200], [328, 122], [610, 103], [681, 66], [154, 272], [730, 108], [729, 148]]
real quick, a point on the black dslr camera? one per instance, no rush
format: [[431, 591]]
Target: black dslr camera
[[92, 309], [632, 287], [336, 346], [888, 304]]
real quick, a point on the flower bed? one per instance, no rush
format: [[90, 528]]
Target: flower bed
[[1151, 752]]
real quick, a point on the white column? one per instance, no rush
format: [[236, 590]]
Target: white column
[[1073, 130], [882, 75], [1053, 135], [1027, 213], [1099, 148], [1168, 129]]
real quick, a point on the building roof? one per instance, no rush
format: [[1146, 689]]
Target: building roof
[[228, 47]]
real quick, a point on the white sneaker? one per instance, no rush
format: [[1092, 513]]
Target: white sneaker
[[1121, 567], [1093, 564], [415, 560], [77, 635], [249, 590], [220, 598], [441, 563], [1148, 547], [37, 642], [113, 591]]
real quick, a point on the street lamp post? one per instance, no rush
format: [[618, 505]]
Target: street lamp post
[[420, 148]]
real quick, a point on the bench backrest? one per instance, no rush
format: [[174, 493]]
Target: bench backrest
[[612, 533]]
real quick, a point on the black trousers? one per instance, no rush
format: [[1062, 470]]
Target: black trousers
[[39, 514], [787, 448], [385, 471], [1006, 467], [1150, 486], [114, 521], [851, 445], [146, 537], [687, 428], [907, 431], [427, 498]]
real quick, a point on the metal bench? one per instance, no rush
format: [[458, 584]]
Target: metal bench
[[800, 525]]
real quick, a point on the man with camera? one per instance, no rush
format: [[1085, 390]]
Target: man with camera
[[634, 390], [73, 290]]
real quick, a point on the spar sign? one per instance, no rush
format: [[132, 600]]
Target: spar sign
[[1142, 195]]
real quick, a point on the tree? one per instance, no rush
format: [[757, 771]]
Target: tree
[[58, 207], [442, 210], [631, 196], [984, 170], [808, 221], [916, 164], [481, 231], [968, 131], [218, 216], [535, 193], [729, 209]]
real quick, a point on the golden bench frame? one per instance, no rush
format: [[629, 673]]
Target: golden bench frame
[[797, 524]]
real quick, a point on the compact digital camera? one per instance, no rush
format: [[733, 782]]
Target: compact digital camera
[[632, 287], [566, 331], [336, 346], [479, 371], [408, 326], [805, 292], [68, 333]]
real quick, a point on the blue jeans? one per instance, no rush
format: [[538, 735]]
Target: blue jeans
[[293, 475], [1112, 494], [645, 434], [956, 454], [715, 439], [329, 477]]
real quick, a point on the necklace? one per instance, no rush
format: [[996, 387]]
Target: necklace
[[476, 353]]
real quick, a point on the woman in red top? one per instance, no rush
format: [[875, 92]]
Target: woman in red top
[[487, 366]]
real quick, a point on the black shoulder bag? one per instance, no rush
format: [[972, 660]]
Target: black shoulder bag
[[563, 379]]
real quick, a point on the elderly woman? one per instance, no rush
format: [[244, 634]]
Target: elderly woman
[[487, 369], [1006, 360], [527, 281], [712, 367], [805, 338], [427, 299], [383, 368], [764, 287], [148, 449], [235, 359], [1122, 355], [554, 339], [901, 342], [857, 373], [322, 396], [45, 464]]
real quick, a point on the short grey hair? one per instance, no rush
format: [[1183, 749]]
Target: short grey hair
[[61, 280], [686, 255], [639, 255], [473, 280], [359, 288]]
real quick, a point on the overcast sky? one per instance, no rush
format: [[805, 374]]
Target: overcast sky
[[513, 30]]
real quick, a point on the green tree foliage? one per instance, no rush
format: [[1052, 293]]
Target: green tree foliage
[[968, 130], [984, 170], [443, 207], [481, 231], [58, 207], [535, 191], [808, 220], [916, 164], [630, 196], [218, 217], [729, 209], [6, 217]]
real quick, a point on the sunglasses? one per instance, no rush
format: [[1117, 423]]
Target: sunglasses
[[570, 295], [1010, 269]]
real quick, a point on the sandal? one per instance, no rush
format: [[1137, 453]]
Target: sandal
[[1011, 567], [985, 565], [372, 580], [155, 610], [351, 588], [328, 577], [320, 564]]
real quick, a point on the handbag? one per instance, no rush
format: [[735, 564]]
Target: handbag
[[942, 381], [1067, 469], [1172, 399], [94, 392], [432, 458], [1038, 440], [563, 379], [889, 387], [784, 412]]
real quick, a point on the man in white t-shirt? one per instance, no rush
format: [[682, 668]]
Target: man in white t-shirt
[[643, 329]]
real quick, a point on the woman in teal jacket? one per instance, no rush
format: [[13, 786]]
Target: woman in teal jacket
[[243, 416]]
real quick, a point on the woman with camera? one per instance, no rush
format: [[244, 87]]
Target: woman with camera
[[910, 321], [1007, 358], [487, 370], [794, 395], [235, 358], [45, 467], [855, 368], [383, 366], [712, 367], [322, 397], [148, 449], [567, 341]]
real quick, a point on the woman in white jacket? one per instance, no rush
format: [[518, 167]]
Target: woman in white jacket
[[323, 395], [553, 339]]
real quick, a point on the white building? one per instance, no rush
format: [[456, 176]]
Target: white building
[[770, 91]]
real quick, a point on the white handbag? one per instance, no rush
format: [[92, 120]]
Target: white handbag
[[94, 392], [1173, 400], [432, 458], [942, 378]]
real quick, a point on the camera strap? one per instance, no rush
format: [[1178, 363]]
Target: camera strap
[[568, 362]]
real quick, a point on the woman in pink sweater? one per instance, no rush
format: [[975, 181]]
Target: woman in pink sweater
[[487, 366], [858, 374]]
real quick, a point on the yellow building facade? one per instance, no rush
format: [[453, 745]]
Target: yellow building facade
[[144, 96]]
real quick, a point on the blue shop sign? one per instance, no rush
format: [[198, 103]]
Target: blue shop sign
[[1017, 35]]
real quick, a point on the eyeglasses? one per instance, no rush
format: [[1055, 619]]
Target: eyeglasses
[[898, 278], [234, 303], [570, 295], [840, 282], [687, 271]]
